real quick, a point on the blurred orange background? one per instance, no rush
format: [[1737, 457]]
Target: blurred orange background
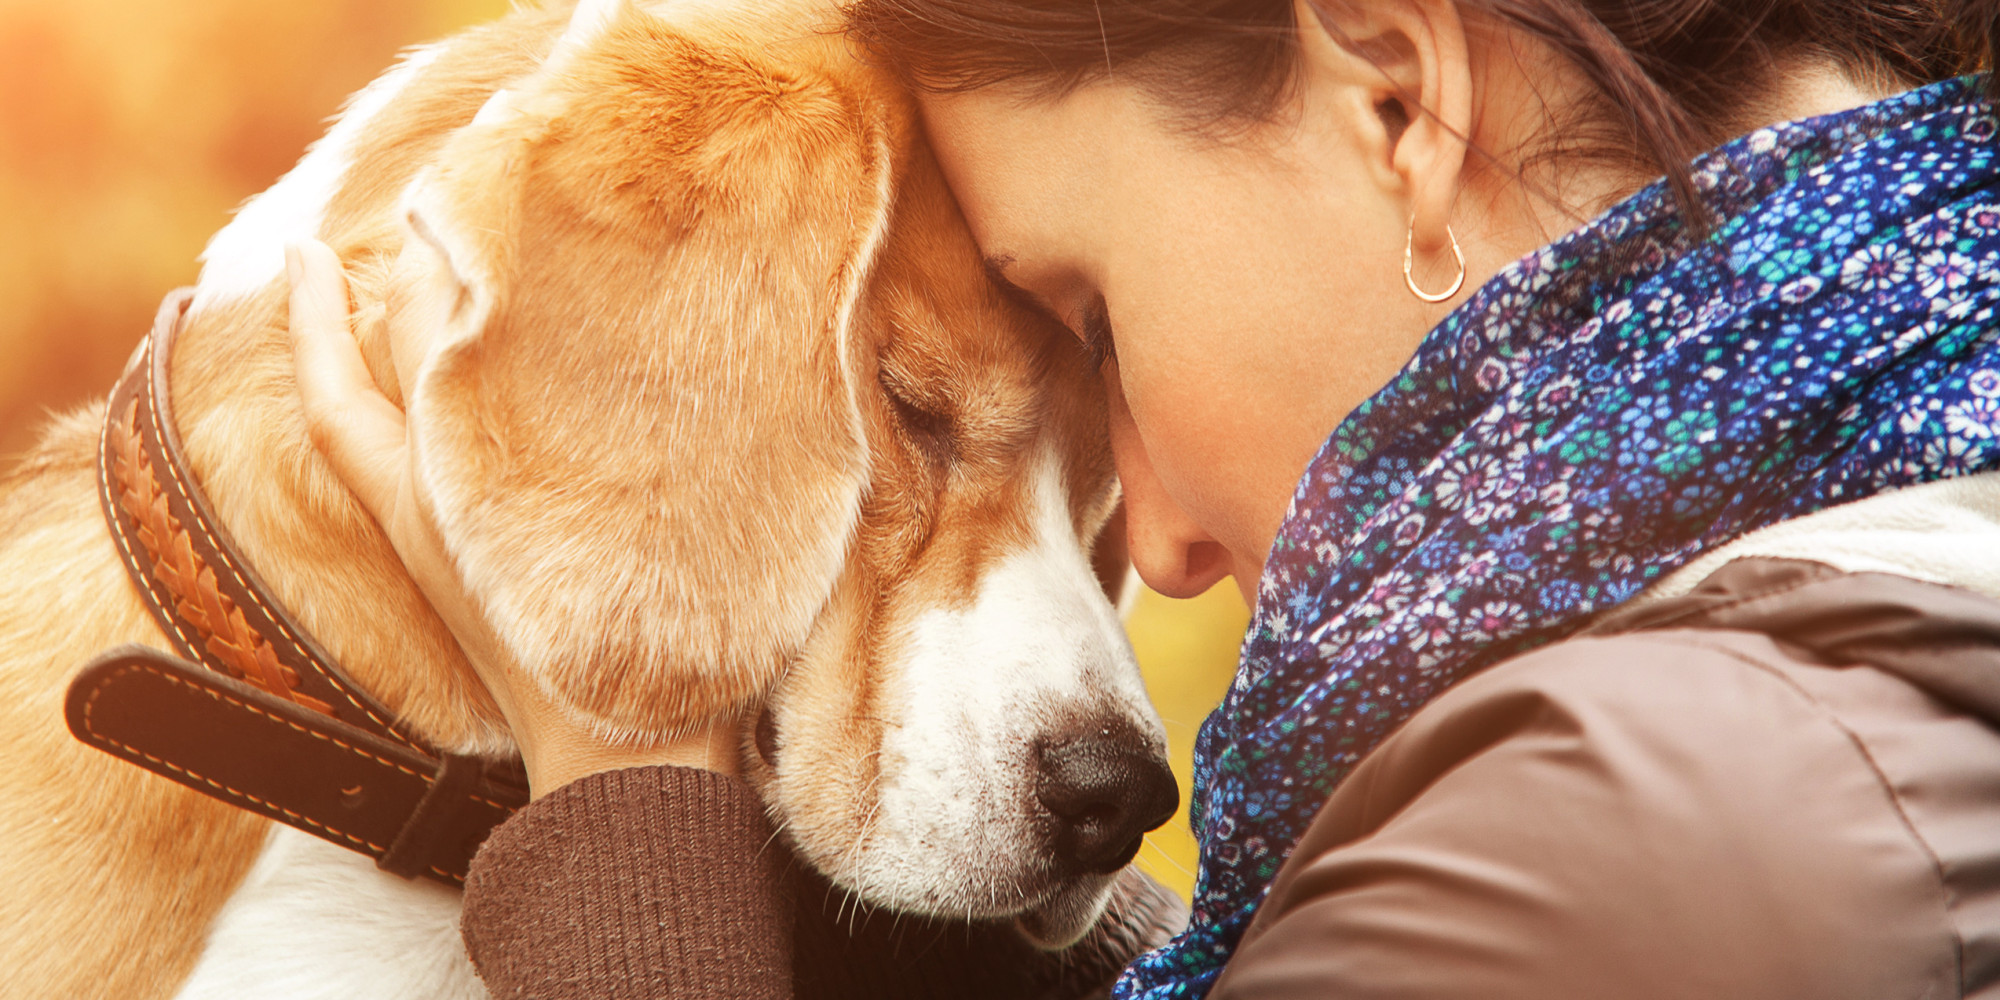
[[130, 128]]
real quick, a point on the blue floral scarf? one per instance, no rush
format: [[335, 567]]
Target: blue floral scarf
[[1597, 415]]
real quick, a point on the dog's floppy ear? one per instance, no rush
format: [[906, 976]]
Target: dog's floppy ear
[[638, 427]]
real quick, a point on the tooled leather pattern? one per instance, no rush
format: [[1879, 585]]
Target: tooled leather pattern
[[190, 581], [216, 613]]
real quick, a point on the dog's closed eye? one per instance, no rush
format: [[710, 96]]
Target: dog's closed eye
[[930, 431]]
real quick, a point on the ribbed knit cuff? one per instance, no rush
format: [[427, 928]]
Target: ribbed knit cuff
[[638, 884]]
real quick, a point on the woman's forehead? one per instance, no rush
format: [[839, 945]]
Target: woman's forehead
[[1008, 167], [1036, 177]]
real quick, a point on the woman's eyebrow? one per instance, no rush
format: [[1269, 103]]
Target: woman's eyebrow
[[996, 266]]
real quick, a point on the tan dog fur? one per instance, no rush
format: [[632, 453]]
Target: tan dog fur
[[727, 405]]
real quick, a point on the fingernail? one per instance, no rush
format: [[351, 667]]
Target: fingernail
[[292, 263]]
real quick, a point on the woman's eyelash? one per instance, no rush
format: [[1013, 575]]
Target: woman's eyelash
[[1097, 343]]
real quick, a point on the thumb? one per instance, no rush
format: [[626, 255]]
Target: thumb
[[359, 431]]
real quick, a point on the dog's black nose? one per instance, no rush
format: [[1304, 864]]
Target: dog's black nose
[[1105, 793]]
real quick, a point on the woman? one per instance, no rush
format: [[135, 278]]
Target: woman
[[1633, 631]]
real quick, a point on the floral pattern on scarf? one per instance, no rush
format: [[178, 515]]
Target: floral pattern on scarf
[[1594, 417]]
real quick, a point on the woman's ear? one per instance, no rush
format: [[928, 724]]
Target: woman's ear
[[1410, 62]]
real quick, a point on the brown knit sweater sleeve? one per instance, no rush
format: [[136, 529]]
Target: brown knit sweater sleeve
[[633, 885]]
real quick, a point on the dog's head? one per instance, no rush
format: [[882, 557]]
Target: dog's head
[[721, 414]]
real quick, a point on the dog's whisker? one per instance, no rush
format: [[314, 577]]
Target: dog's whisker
[[777, 829], [1169, 855]]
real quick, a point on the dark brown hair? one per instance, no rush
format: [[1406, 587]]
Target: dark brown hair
[[1669, 74]]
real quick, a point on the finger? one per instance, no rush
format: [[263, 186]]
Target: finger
[[363, 437], [359, 431]]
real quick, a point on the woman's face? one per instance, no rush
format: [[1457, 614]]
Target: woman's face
[[1251, 289], [1252, 292]]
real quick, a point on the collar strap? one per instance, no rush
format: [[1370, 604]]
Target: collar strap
[[257, 714]]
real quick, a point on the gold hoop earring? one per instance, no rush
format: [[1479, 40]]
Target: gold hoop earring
[[1409, 263]]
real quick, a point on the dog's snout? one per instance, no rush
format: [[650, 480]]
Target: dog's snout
[[1105, 792]]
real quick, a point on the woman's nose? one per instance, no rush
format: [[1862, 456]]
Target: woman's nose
[[1172, 553]]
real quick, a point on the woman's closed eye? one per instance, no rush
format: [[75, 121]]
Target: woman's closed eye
[[1092, 326]]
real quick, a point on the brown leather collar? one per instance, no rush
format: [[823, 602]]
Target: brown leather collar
[[257, 714]]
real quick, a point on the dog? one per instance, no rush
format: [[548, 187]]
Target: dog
[[725, 415]]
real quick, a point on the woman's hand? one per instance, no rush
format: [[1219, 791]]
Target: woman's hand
[[363, 435]]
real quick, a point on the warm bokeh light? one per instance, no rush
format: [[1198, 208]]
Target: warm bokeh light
[[1188, 651], [130, 128]]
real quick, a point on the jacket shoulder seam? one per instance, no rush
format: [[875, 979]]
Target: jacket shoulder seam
[[1895, 801]]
